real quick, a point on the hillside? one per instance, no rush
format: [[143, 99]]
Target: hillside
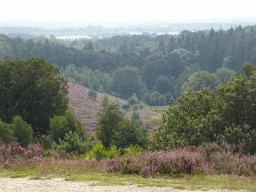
[[86, 108]]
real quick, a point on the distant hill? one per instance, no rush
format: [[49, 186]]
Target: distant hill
[[22, 35]]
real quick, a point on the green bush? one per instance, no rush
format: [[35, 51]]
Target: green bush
[[22, 131], [136, 115], [98, 152], [6, 133], [59, 127], [129, 132], [132, 150], [126, 106], [133, 100], [72, 144]]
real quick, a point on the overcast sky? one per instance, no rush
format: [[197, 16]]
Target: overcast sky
[[108, 12]]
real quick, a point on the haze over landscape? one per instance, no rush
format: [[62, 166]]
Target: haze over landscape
[[52, 14]]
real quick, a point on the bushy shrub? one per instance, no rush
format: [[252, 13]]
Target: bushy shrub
[[98, 152], [136, 115], [22, 131], [72, 144], [132, 150], [133, 99], [130, 132], [126, 106], [6, 133], [59, 127]]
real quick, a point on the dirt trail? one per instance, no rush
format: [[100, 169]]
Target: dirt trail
[[60, 185]]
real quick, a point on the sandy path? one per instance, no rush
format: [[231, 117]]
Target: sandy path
[[60, 185]]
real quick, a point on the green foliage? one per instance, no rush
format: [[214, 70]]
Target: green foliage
[[241, 136], [183, 77], [130, 132], [127, 81], [72, 144], [60, 125], [92, 94], [126, 106], [136, 115], [201, 79], [22, 131], [33, 90], [237, 103], [188, 121], [133, 100], [99, 152], [6, 133], [163, 85], [162, 100], [135, 107], [225, 74], [108, 116], [201, 117], [132, 150]]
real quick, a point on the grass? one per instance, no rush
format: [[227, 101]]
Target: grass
[[80, 170]]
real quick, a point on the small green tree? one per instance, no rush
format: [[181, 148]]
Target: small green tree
[[129, 132], [59, 127], [22, 131], [72, 144], [108, 116]]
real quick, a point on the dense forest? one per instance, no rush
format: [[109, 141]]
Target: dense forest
[[154, 68]]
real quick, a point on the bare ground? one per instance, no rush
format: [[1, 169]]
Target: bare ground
[[60, 185]]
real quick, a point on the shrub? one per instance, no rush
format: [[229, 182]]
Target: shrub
[[130, 132], [22, 131], [99, 152], [126, 106], [132, 150], [72, 144], [141, 105], [6, 133], [136, 115], [133, 99], [59, 127]]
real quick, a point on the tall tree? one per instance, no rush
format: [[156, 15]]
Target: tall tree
[[108, 116], [33, 90]]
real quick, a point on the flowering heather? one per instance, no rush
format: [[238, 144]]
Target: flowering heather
[[13, 152], [189, 160]]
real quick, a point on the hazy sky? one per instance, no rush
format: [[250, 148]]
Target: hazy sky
[[108, 12]]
